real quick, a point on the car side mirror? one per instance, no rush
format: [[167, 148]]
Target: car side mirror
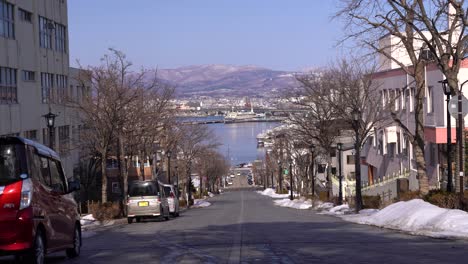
[[73, 186]]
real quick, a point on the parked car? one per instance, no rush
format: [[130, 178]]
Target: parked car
[[172, 199], [38, 214], [146, 199]]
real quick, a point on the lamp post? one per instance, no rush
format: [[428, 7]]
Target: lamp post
[[50, 122], [447, 92], [291, 183], [312, 176], [168, 155], [279, 176], [460, 129], [340, 174], [356, 114]]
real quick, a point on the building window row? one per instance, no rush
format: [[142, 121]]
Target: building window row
[[8, 86], [398, 99], [7, 25], [25, 15], [29, 76], [46, 29]]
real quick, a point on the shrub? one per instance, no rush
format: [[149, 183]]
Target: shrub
[[369, 201], [410, 195], [105, 211], [323, 196], [182, 203], [443, 199]]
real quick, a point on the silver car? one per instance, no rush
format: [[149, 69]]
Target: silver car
[[146, 199], [172, 198]]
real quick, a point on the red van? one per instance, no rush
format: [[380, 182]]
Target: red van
[[38, 214]]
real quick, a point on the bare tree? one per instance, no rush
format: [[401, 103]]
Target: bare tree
[[194, 139]]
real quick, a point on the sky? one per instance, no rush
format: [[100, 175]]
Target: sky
[[276, 34]]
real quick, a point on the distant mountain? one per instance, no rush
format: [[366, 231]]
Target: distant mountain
[[227, 80]]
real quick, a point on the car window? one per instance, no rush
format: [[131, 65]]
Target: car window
[[45, 172], [143, 189], [9, 164], [57, 182], [34, 165]]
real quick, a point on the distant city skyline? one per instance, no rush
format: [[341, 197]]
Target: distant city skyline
[[169, 34]]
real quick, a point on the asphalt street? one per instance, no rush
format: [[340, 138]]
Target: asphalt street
[[245, 227]]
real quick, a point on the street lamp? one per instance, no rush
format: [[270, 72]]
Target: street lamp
[[291, 184], [279, 176], [168, 155], [339, 146], [312, 159], [356, 114], [50, 122], [448, 93]]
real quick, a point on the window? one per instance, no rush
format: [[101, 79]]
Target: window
[[405, 99], [45, 32], [430, 99], [25, 15], [8, 89], [57, 181], [47, 85], [115, 187], [112, 163], [61, 84], [60, 37], [350, 159], [31, 134], [45, 172], [64, 138], [7, 26], [29, 76], [412, 99]]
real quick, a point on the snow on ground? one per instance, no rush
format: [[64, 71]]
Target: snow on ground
[[271, 192], [210, 194], [297, 203], [88, 220], [417, 217], [198, 203]]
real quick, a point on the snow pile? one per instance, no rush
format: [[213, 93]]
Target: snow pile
[[271, 192], [330, 209], [88, 220], [297, 204], [324, 206], [210, 194], [417, 217], [199, 203]]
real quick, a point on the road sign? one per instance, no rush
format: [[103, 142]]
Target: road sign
[[453, 106], [286, 171]]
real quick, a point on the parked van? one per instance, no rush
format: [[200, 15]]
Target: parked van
[[146, 199], [172, 199], [38, 214]]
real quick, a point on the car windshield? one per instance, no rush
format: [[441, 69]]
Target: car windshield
[[9, 164], [143, 189], [167, 190]]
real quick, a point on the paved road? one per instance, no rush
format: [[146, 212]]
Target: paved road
[[245, 227]]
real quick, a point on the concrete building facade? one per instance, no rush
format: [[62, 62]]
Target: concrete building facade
[[35, 77]]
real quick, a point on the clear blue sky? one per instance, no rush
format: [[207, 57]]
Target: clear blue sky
[[278, 34]]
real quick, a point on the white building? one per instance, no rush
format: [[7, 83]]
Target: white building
[[389, 154], [35, 77]]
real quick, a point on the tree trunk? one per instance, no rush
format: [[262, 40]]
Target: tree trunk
[[142, 166], [123, 174], [104, 178], [419, 130]]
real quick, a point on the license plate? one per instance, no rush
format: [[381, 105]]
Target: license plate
[[143, 203]]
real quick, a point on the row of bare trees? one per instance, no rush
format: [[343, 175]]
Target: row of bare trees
[[127, 115]]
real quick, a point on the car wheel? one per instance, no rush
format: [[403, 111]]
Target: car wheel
[[76, 250], [36, 254], [130, 220]]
